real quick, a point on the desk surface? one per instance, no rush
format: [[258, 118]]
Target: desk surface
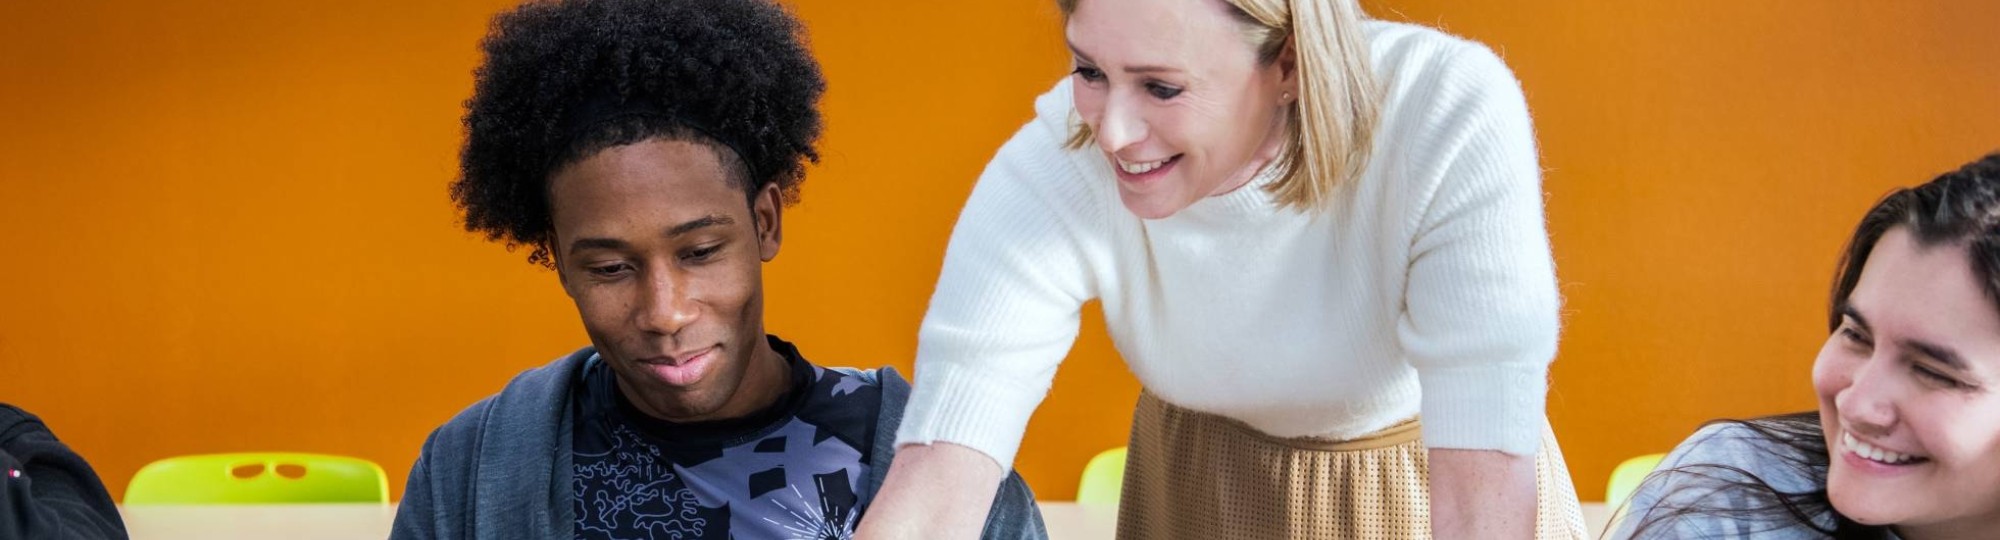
[[1066, 521]]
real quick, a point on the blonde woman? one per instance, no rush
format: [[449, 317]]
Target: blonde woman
[[1318, 242]]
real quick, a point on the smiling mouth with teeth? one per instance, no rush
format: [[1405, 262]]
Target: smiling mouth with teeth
[[1141, 167], [1878, 455]]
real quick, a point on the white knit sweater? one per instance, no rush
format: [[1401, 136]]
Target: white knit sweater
[[1425, 286]]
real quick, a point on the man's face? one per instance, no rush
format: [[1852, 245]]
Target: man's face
[[664, 257]]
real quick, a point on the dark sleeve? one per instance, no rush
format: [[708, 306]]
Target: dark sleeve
[[417, 516], [56, 494], [1014, 515], [413, 515]]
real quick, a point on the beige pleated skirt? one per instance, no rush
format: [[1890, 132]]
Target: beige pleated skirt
[[1196, 475]]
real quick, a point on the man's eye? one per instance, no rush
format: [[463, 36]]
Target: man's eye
[[701, 254], [609, 269]]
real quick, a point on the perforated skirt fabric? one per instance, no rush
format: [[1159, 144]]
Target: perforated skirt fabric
[[1196, 475]]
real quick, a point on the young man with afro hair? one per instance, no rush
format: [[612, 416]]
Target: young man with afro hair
[[645, 151]]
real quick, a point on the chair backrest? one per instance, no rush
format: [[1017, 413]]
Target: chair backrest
[[259, 477], [1626, 478], [1103, 478]]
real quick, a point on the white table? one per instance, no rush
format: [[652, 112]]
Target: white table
[[1596, 516], [1066, 521], [290, 521], [1071, 521]]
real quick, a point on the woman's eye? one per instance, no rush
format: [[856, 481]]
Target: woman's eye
[[1935, 375], [1089, 74], [1854, 337], [1162, 91]]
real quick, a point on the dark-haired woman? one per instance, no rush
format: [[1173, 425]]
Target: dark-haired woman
[[1906, 442]]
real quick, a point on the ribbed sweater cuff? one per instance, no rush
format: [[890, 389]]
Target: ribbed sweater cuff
[[1484, 407], [960, 404]]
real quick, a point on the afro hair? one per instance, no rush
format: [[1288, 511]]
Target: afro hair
[[735, 74]]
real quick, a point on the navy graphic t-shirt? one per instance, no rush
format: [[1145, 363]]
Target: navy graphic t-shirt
[[789, 471]]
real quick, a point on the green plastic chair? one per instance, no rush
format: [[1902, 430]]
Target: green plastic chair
[[1103, 478], [259, 478], [1626, 478]]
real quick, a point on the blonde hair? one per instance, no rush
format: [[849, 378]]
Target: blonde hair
[[1331, 130]]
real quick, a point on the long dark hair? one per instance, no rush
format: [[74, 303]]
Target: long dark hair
[[1959, 207]]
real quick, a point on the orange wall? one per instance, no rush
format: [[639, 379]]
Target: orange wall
[[227, 228]]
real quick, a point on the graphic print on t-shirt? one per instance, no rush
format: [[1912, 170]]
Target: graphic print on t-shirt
[[791, 471]]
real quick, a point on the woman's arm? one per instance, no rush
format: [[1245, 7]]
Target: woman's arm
[[1482, 494], [939, 490], [1005, 313], [1481, 305]]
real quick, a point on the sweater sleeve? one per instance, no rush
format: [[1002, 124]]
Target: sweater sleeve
[[1480, 306], [1008, 300]]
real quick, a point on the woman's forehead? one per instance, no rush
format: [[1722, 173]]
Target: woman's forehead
[[1156, 32], [1928, 292]]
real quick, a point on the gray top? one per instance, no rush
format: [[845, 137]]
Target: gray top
[[503, 467], [1697, 475]]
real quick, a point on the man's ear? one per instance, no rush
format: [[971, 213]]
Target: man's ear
[[767, 208]]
